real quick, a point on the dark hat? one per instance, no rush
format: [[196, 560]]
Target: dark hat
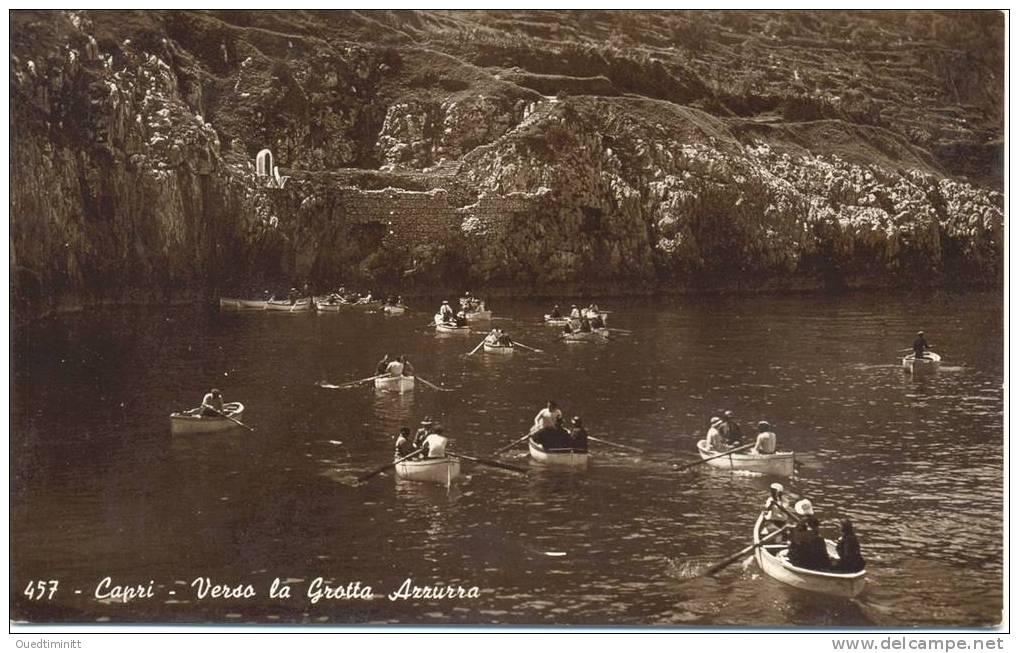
[[575, 421], [763, 425], [215, 391]]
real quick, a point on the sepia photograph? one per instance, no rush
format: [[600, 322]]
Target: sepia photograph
[[653, 320]]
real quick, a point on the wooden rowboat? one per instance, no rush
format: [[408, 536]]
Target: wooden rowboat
[[556, 321], [780, 463], [391, 309], [225, 302], [498, 349], [429, 470], [251, 304], [557, 457], [399, 384], [284, 305], [328, 307], [773, 559], [193, 421], [929, 363], [442, 327], [594, 335]]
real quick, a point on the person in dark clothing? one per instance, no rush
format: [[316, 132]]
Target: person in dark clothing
[[585, 325], [920, 345], [731, 429], [578, 436], [380, 368], [556, 313], [404, 443], [807, 548], [422, 433], [408, 369], [848, 548]]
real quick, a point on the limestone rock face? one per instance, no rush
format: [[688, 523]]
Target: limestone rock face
[[423, 149]]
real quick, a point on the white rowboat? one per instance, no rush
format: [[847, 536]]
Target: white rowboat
[[399, 384], [556, 321], [557, 457], [780, 463], [498, 349], [429, 470], [442, 327], [774, 561], [225, 302], [394, 310], [251, 304], [284, 305], [595, 335], [929, 363], [326, 307], [195, 422]]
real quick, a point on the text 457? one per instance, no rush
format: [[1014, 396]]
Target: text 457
[[38, 590]]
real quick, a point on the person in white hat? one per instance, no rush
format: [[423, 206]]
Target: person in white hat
[[766, 440], [774, 515], [920, 345], [806, 546], [714, 435]]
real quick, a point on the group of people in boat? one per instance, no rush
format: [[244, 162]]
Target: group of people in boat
[[579, 320], [471, 304], [807, 546], [428, 441], [448, 316], [499, 337], [725, 433], [344, 296], [549, 431], [394, 366]]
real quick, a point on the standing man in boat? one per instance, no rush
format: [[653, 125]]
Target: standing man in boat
[[766, 440], [920, 345], [714, 435], [212, 404]]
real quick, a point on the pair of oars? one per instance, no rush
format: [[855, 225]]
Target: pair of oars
[[515, 342], [591, 438], [350, 384], [481, 461], [232, 419]]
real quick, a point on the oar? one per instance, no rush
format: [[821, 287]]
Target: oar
[[537, 351], [432, 385], [720, 455], [626, 331], [718, 566], [479, 346], [614, 444], [236, 421], [492, 463], [510, 445], [365, 477], [323, 384]]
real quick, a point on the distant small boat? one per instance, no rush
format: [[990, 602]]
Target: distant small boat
[[193, 421], [252, 304], [394, 309], [556, 321], [498, 349], [557, 457], [443, 327], [399, 384], [926, 365], [780, 463], [773, 559], [225, 302], [285, 305], [329, 307], [594, 335], [429, 470]]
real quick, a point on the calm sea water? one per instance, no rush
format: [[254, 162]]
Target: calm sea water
[[101, 488]]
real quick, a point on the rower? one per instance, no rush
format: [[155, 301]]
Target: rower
[[714, 435], [408, 369], [395, 368], [435, 443], [446, 311], [731, 428], [596, 322], [578, 435], [848, 548], [212, 404], [920, 345], [404, 443], [504, 339], [774, 515], [556, 314], [460, 319], [585, 325], [493, 337], [380, 368], [766, 440], [807, 548], [548, 417], [574, 312], [422, 432]]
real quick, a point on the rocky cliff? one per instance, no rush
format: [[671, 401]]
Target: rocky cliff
[[513, 150]]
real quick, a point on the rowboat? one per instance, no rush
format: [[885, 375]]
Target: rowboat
[[599, 314], [556, 321], [391, 309], [225, 302], [429, 470], [399, 384], [498, 349], [929, 363], [442, 327], [773, 559], [479, 316], [251, 304], [286, 306], [193, 421], [594, 335], [557, 457], [328, 307], [780, 463]]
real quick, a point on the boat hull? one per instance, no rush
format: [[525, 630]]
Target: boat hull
[[394, 310], [283, 306], [927, 365], [186, 423], [225, 302], [479, 316], [572, 459], [556, 321], [442, 327], [501, 350], [596, 335], [429, 470], [773, 560], [399, 384], [326, 307], [251, 304], [780, 463]]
